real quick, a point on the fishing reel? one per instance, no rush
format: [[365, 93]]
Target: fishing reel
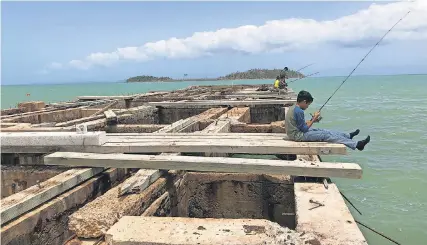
[[318, 119]]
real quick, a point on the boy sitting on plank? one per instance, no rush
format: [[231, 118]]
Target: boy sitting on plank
[[298, 129]]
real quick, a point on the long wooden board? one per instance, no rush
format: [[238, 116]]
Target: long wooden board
[[251, 146], [23, 201], [212, 164], [199, 134]]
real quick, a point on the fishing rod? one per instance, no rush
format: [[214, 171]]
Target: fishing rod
[[304, 67], [303, 77], [363, 60]]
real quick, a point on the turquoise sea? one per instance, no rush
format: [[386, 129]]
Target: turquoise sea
[[392, 195]]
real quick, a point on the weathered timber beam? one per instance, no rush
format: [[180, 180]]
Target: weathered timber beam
[[140, 181], [177, 126], [138, 128], [110, 117], [105, 108], [21, 202], [214, 164], [52, 138], [185, 135], [251, 146]]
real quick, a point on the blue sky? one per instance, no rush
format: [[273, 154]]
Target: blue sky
[[52, 42]]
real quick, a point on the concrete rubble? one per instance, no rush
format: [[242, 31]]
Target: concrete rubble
[[191, 231]]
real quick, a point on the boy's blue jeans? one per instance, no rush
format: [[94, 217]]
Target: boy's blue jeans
[[324, 135]]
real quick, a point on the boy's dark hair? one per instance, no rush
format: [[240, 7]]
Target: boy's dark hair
[[286, 68], [304, 95]]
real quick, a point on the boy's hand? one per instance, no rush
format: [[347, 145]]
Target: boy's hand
[[317, 114], [316, 117]]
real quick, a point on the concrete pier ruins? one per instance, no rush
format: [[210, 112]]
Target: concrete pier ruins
[[201, 165]]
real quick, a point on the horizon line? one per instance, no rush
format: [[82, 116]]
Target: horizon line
[[124, 80]]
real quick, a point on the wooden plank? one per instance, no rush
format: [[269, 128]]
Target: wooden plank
[[213, 164], [79, 121], [167, 135], [151, 211], [52, 138], [230, 146], [110, 115], [21, 202], [219, 126], [268, 96], [105, 108], [210, 145], [140, 181], [41, 129], [112, 97], [199, 135], [177, 126], [222, 102]]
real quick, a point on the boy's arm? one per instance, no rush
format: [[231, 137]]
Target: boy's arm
[[300, 121], [309, 123]]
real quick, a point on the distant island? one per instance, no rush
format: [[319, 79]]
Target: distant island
[[246, 75]]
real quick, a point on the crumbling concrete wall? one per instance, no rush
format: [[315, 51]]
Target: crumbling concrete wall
[[264, 113], [11, 111], [22, 159], [171, 115], [31, 106], [16, 178], [251, 128], [139, 118], [220, 195]]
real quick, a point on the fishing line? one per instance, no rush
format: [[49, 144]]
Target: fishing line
[[304, 67], [303, 77], [363, 60]]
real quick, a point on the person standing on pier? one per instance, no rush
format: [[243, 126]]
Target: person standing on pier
[[298, 129]]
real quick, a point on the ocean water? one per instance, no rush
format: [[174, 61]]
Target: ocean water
[[392, 195]]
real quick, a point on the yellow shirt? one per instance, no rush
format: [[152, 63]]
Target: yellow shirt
[[276, 84]]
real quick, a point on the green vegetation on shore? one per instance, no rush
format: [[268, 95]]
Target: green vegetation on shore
[[246, 75]]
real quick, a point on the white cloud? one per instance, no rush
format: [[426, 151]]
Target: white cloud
[[360, 29], [55, 65]]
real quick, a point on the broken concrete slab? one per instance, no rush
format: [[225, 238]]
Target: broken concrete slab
[[191, 231], [96, 217]]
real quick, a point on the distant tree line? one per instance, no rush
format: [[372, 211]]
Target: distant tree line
[[246, 75], [259, 74]]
